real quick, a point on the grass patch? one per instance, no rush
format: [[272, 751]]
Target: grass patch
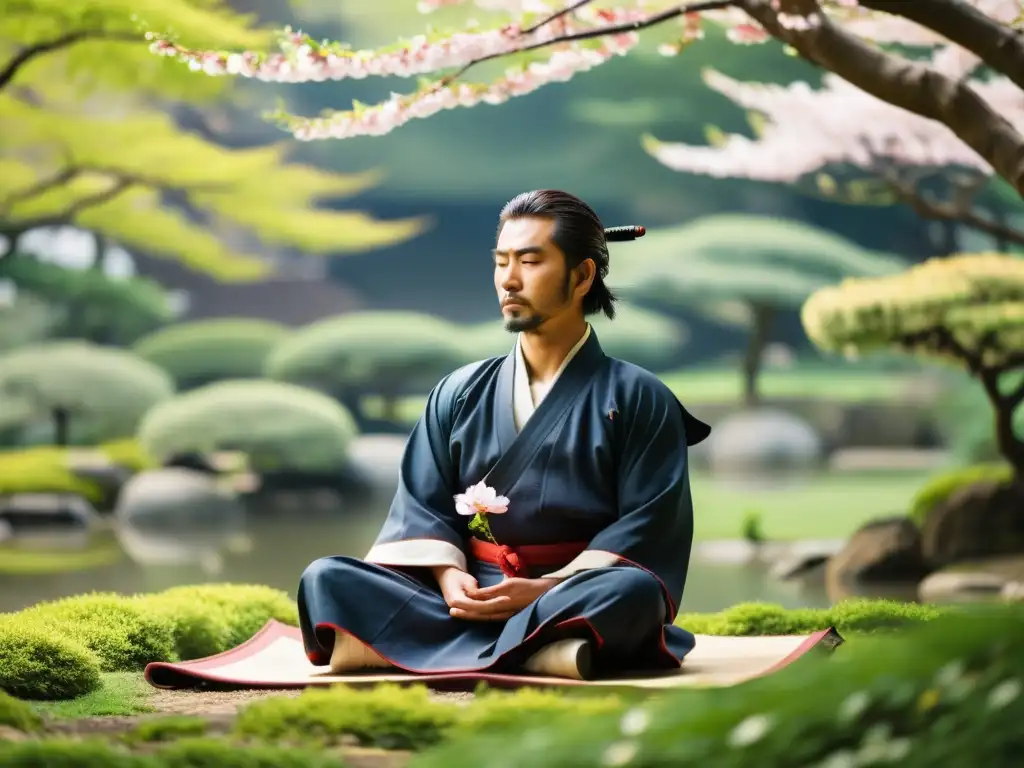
[[18, 561], [120, 693], [825, 507]]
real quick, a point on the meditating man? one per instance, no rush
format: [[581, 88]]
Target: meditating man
[[543, 520]]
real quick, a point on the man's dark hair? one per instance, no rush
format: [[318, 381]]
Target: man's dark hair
[[578, 233]]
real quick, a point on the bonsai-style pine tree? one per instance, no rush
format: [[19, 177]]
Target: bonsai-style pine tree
[[967, 310], [88, 140], [551, 42], [766, 265]]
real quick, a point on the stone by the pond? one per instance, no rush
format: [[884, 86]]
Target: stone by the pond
[[378, 457], [886, 550], [35, 512], [981, 520], [765, 440], [1013, 591], [176, 516], [805, 557], [954, 586]]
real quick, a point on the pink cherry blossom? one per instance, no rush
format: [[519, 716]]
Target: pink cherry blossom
[[480, 499], [805, 130], [302, 59]]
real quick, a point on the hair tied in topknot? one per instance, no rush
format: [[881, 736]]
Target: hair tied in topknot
[[624, 234]]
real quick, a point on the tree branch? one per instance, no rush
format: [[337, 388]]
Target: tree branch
[[927, 207], [903, 83], [16, 229], [25, 55], [591, 34], [999, 46]]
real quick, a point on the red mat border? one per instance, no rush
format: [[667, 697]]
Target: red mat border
[[192, 674]]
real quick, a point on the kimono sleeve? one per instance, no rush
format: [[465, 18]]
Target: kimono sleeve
[[654, 529], [422, 528]]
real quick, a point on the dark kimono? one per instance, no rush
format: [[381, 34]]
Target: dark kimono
[[602, 461]]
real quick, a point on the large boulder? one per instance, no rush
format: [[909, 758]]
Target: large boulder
[[883, 551], [764, 441], [179, 516], [980, 520]]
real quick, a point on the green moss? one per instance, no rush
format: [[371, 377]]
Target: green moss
[[197, 631], [36, 664], [493, 711], [386, 716], [856, 615], [947, 692], [189, 753], [167, 729], [120, 694], [18, 715], [43, 470], [245, 608], [122, 635], [942, 486]]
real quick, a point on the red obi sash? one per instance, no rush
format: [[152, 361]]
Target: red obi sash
[[516, 561]]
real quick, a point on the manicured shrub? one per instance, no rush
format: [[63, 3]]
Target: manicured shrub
[[942, 486], [122, 635], [36, 664], [947, 692], [167, 729], [197, 630]]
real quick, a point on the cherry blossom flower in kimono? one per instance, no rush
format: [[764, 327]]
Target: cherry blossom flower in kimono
[[479, 501]]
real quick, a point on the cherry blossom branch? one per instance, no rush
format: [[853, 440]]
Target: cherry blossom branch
[[927, 206], [998, 45], [602, 31], [910, 85], [27, 54]]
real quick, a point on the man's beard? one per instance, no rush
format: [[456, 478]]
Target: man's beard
[[524, 323]]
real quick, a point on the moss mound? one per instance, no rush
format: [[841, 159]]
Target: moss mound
[[850, 616], [941, 487], [36, 664], [948, 692], [393, 717], [190, 753], [18, 715], [244, 608], [122, 635]]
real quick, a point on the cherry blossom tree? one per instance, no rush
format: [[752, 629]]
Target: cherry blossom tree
[[802, 132], [849, 38]]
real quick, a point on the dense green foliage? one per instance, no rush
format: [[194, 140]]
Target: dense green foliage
[[106, 391], [205, 351], [89, 304], [944, 485], [107, 170], [16, 714], [277, 425], [37, 663], [946, 693]]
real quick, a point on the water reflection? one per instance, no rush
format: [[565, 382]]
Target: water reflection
[[267, 543]]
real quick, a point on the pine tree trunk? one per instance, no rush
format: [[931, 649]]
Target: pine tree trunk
[[762, 321]]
